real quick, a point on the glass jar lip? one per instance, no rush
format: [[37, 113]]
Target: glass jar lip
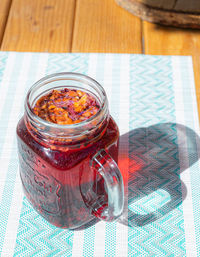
[[76, 76]]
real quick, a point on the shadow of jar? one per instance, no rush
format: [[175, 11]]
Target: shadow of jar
[[157, 156]]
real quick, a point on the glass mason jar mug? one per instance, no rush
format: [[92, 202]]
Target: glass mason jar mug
[[69, 172]]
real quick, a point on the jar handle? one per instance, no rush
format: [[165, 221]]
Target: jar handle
[[103, 163]]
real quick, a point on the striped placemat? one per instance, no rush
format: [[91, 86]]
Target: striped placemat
[[153, 100]]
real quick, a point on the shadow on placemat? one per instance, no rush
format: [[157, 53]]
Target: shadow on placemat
[[157, 156]]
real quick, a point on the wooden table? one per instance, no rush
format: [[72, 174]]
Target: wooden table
[[90, 26]]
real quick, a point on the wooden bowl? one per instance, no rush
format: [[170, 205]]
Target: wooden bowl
[[178, 13]]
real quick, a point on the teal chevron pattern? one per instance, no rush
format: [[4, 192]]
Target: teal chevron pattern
[[36, 237], [89, 235], [67, 63], [111, 238], [3, 60], [155, 194]]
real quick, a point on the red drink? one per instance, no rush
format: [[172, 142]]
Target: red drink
[[61, 168]]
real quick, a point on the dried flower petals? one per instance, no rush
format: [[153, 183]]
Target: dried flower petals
[[66, 106]]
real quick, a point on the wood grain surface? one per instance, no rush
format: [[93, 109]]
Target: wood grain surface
[[102, 26], [4, 12], [39, 25]]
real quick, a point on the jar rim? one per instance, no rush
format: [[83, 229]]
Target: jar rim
[[62, 76]]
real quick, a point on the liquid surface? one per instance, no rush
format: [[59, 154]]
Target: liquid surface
[[66, 106]]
